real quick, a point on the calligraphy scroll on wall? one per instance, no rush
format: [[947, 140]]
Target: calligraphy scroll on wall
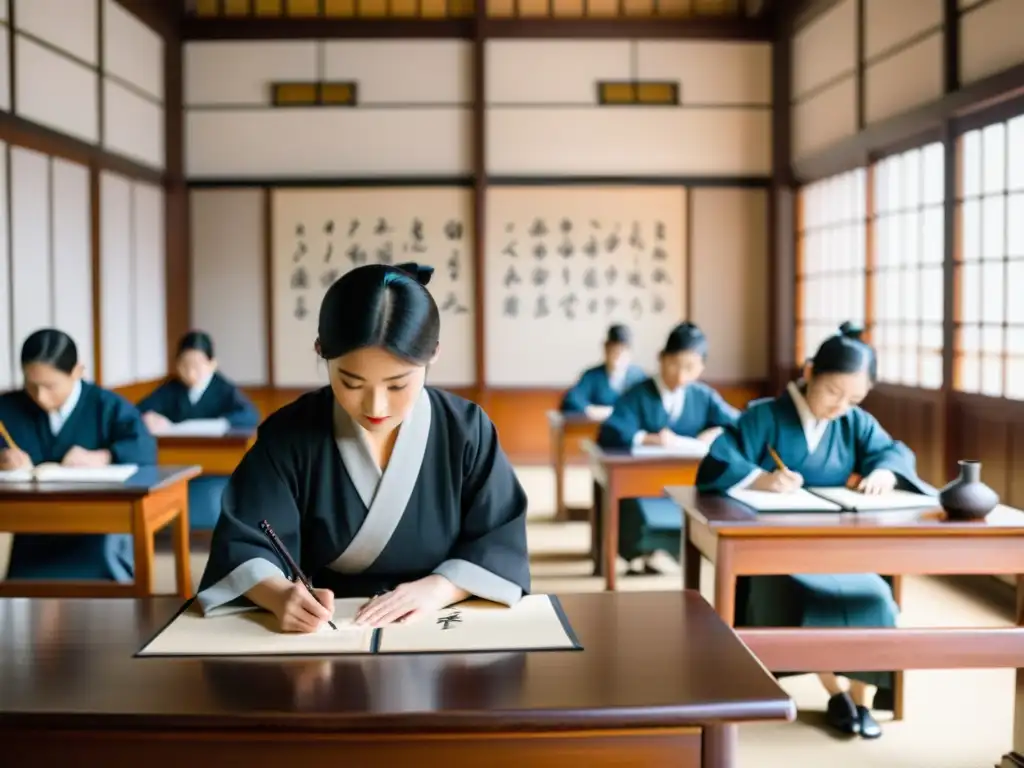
[[563, 263], [319, 234]]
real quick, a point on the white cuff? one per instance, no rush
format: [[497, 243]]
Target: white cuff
[[223, 597], [638, 438], [480, 582]]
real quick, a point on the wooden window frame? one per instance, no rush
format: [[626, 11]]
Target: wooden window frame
[[635, 97], [910, 269], [318, 98], [849, 222], [1010, 356]]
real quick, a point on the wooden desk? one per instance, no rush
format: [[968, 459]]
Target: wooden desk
[[660, 682], [153, 498], [741, 542], [620, 475], [217, 455], [567, 428]]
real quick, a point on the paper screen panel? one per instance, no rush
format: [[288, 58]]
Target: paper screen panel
[[7, 345], [319, 234], [149, 309], [116, 281], [31, 268], [563, 263], [72, 258]]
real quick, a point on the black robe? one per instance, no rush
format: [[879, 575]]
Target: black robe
[[448, 503]]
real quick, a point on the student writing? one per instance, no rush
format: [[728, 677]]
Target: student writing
[[199, 391], [376, 483], [659, 411], [822, 436], [599, 387], [58, 417]]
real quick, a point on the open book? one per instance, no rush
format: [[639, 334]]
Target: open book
[[194, 428], [55, 473], [535, 623], [830, 500], [687, 447]]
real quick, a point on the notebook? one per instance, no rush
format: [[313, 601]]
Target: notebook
[[55, 473], [194, 428], [535, 623], [830, 500]]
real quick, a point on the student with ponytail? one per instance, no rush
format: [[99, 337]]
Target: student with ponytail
[[377, 484], [823, 437]]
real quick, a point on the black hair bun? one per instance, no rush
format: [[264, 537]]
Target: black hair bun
[[422, 272], [852, 330]]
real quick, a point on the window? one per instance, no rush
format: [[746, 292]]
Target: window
[[313, 94], [634, 93], [906, 272], [990, 262], [830, 258]]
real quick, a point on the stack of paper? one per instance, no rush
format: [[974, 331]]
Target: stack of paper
[[686, 447], [831, 500], [55, 473], [195, 428]]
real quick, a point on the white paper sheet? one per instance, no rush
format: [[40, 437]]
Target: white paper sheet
[[478, 625], [194, 428], [849, 499], [799, 500], [687, 447], [256, 632], [54, 473], [475, 625]]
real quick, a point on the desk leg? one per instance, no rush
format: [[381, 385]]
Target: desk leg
[[691, 559], [725, 583], [182, 549], [558, 459], [898, 678], [610, 524], [595, 528], [142, 536], [719, 746]]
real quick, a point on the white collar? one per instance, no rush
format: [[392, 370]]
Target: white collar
[[814, 429], [196, 392], [58, 417]]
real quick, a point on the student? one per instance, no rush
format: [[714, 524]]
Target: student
[[378, 485], [658, 411], [199, 392], [60, 418], [599, 387], [823, 437]]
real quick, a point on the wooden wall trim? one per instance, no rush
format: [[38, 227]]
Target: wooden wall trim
[[468, 28]]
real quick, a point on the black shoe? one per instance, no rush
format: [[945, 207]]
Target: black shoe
[[842, 715], [869, 727]]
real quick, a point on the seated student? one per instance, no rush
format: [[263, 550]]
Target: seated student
[[377, 484], [599, 387], [57, 417], [199, 392], [658, 411], [823, 437]]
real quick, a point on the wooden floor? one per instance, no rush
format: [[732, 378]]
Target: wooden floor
[[954, 719]]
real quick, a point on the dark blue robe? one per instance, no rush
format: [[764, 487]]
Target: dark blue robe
[[448, 503], [853, 443], [221, 400], [594, 388], [100, 420], [640, 409], [650, 524]]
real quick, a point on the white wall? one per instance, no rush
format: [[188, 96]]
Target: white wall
[[543, 117], [413, 117]]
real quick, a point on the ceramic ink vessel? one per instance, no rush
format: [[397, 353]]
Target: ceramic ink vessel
[[967, 498]]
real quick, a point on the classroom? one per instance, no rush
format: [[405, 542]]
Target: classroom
[[712, 301]]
